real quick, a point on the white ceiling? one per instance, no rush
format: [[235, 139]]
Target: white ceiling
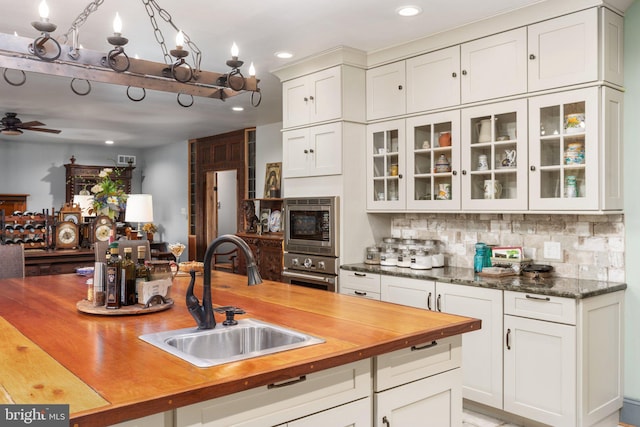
[[259, 27]]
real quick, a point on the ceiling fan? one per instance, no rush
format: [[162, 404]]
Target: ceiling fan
[[12, 125]]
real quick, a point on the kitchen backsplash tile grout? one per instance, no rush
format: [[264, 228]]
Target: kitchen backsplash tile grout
[[592, 245]]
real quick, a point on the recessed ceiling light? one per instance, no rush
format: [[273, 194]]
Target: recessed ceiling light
[[284, 55], [109, 142], [237, 108], [409, 10]]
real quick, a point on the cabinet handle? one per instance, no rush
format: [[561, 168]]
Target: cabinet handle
[[438, 303], [360, 274], [287, 383], [537, 298], [532, 56], [532, 168], [454, 75], [311, 150], [464, 72], [424, 347], [311, 98], [429, 301], [399, 87], [305, 99], [464, 171], [507, 340], [385, 421], [454, 173], [362, 294], [306, 151], [399, 176]]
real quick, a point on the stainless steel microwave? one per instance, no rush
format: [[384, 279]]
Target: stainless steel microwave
[[312, 225]]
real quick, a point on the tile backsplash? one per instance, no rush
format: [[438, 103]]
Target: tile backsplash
[[592, 246]]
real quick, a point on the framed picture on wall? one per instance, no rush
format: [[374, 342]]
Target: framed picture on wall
[[272, 180]]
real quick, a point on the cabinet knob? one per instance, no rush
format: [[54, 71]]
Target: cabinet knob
[[532, 168], [306, 99], [464, 72], [454, 173], [399, 176], [311, 98], [306, 151], [399, 87], [464, 172], [454, 75], [532, 56], [311, 150]]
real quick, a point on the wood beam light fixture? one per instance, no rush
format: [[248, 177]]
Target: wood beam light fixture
[[47, 55]]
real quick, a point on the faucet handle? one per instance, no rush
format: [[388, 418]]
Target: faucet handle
[[230, 321]]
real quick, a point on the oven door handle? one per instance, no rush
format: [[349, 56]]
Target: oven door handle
[[306, 276]]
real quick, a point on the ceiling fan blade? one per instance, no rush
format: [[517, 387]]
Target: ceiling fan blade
[[29, 124], [43, 130]]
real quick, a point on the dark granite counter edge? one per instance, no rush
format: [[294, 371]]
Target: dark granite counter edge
[[555, 286]]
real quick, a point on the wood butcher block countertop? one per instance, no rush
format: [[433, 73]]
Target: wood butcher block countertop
[[51, 353]]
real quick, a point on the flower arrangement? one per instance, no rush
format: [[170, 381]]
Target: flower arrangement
[[150, 228], [109, 197]]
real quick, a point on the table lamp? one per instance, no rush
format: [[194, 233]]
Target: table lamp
[[139, 209]]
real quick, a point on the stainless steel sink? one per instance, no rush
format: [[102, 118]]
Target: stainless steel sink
[[211, 347]]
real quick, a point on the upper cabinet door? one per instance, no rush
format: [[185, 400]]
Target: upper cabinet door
[[386, 94], [564, 51], [494, 66], [433, 80], [312, 99]]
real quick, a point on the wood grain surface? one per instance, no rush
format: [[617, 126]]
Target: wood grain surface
[[137, 379]]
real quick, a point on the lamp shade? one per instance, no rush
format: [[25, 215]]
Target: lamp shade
[[85, 203], [139, 208]]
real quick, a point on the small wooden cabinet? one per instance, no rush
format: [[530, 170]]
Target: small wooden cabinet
[[10, 203], [268, 252], [41, 263]]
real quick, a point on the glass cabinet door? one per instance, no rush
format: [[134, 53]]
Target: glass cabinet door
[[494, 156], [563, 151], [433, 153], [386, 165]]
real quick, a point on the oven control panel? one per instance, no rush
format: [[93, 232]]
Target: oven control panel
[[306, 262]]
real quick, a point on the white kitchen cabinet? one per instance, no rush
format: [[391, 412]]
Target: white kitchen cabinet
[[563, 51], [433, 401], [312, 151], [590, 118], [385, 157], [563, 358], [364, 285], [410, 292], [354, 414], [312, 98], [386, 92], [427, 186], [494, 156], [482, 355], [494, 66], [282, 402], [433, 80]]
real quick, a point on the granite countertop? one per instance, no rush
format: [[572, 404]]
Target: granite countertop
[[555, 286]]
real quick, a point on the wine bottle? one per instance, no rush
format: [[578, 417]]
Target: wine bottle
[[128, 286], [113, 277], [142, 273]]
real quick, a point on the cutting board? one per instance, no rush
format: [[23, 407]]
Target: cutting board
[[28, 375]]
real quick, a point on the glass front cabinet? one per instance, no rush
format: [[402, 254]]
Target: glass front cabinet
[[569, 168], [494, 156], [386, 166]]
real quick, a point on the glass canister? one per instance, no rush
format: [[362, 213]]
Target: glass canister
[[372, 255], [420, 259], [404, 256], [389, 257]]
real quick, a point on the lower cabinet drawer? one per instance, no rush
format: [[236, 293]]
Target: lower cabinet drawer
[[540, 307], [279, 403], [367, 282], [359, 293], [414, 363]]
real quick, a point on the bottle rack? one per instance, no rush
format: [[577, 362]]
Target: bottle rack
[[31, 230]]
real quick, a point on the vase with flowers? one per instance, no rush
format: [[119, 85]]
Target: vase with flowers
[[150, 228], [109, 197]]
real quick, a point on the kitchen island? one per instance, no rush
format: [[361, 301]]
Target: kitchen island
[[54, 354]]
